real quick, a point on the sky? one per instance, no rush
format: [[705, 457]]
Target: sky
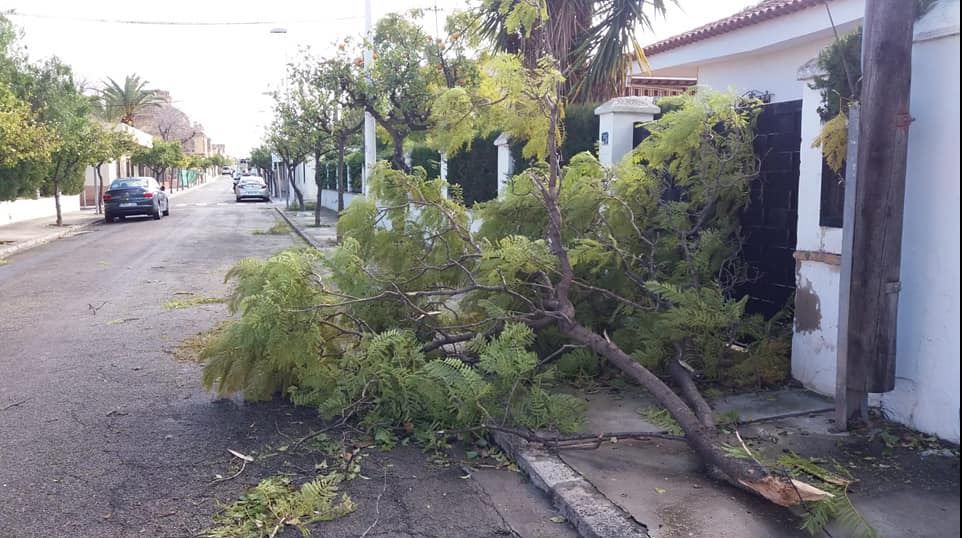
[[222, 74]]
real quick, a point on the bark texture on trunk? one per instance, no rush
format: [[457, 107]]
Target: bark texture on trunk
[[340, 178], [297, 192], [319, 182]]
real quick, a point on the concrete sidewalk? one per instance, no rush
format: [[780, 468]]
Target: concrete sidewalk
[[302, 222], [905, 485], [27, 234]]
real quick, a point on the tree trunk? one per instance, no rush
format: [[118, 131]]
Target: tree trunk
[[340, 177], [56, 201], [319, 182], [291, 171], [398, 159], [99, 187], [703, 439], [701, 436]]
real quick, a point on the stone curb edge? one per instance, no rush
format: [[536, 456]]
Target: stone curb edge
[[591, 513], [299, 230], [37, 241]]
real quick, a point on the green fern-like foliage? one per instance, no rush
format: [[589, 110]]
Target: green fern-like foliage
[[366, 330], [275, 503]]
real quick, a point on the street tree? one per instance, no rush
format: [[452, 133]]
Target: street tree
[[261, 158], [66, 111], [328, 117], [23, 140], [397, 89], [160, 157], [124, 101], [287, 140], [26, 142], [107, 143]]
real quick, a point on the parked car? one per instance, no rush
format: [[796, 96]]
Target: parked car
[[135, 196], [252, 187], [225, 171]]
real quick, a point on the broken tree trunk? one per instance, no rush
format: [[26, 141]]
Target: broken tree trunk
[[700, 432]]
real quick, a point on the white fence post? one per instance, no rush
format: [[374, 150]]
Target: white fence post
[[616, 125], [505, 162], [444, 173]]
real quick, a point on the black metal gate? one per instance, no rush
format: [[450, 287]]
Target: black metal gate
[[769, 224]]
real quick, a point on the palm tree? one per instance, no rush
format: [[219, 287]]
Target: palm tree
[[593, 40], [125, 101]]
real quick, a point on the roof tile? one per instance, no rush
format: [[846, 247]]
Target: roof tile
[[763, 11]]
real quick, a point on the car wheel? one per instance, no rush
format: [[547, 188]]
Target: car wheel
[[238, 200], [108, 218]]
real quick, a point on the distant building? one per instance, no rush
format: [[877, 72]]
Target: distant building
[[169, 123]]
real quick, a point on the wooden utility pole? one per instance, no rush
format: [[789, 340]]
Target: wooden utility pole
[[879, 201]]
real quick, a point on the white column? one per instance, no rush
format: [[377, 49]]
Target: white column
[[616, 126], [370, 149], [444, 173], [505, 162]]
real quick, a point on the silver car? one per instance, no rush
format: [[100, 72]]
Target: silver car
[[251, 187]]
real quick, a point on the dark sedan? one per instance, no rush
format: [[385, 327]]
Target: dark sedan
[[135, 196]]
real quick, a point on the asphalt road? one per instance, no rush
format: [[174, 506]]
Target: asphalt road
[[103, 433]]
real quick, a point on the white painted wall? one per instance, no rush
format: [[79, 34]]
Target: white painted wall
[[27, 209], [926, 392], [926, 396], [305, 182], [329, 199], [774, 72]]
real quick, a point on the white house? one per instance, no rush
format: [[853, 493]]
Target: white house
[[113, 169], [770, 48]]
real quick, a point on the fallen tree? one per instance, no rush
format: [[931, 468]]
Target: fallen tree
[[416, 323]]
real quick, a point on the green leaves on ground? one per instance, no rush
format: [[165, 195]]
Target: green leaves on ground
[[275, 504]]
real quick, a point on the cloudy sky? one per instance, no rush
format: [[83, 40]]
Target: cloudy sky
[[219, 73]]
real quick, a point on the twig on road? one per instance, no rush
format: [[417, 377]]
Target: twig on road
[[244, 459], [15, 404], [94, 309], [377, 506]]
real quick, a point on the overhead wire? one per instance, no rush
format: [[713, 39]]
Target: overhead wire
[[141, 22]]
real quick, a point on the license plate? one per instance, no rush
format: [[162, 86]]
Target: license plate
[[129, 204]]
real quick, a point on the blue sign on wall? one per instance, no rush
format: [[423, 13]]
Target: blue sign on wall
[[604, 138]]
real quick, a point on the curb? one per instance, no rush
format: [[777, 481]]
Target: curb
[[75, 229], [299, 230], [37, 241], [587, 509]]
